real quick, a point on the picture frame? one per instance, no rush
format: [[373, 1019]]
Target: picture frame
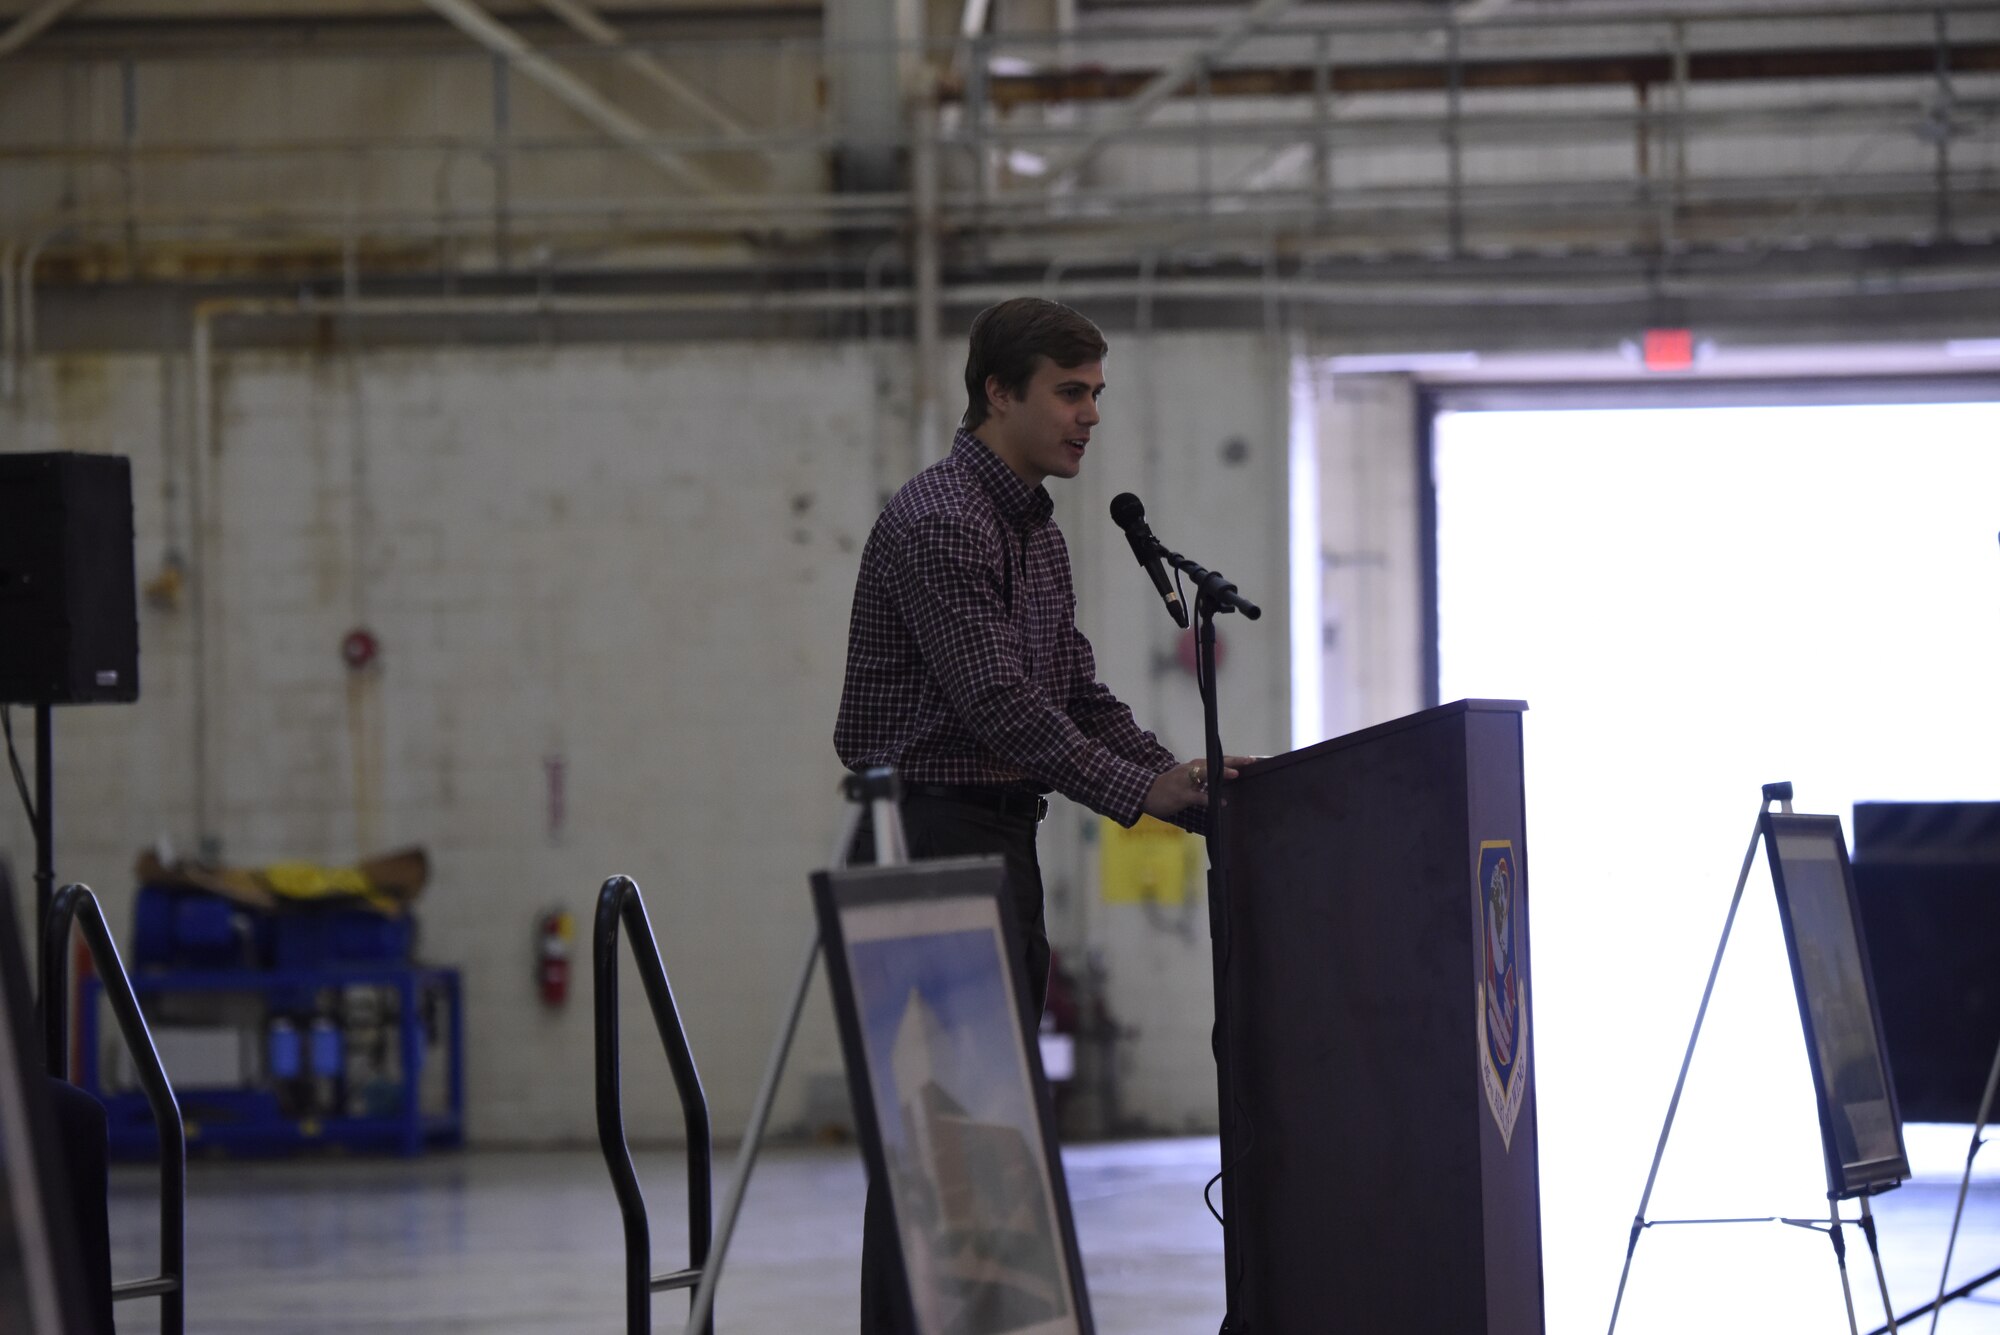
[[949, 1096], [1861, 1126]]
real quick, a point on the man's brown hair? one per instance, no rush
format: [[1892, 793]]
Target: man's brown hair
[[1007, 338]]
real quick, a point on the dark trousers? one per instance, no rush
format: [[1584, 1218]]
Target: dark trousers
[[940, 828], [83, 1153]]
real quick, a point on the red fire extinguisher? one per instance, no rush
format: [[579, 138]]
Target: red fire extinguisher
[[552, 934]]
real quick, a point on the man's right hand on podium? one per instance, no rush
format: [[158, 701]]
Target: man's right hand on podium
[[1186, 785]]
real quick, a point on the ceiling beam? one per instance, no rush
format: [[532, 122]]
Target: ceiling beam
[[1165, 84], [573, 93], [592, 25], [29, 26], [1786, 66]]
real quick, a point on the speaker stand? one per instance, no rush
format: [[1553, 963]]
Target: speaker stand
[[45, 833]]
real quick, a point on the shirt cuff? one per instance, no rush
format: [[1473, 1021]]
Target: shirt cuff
[[1124, 788]]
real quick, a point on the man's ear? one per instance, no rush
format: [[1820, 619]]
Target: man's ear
[[997, 396]]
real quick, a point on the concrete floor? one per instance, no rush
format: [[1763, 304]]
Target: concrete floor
[[530, 1242]]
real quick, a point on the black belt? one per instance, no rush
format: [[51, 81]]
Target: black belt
[[1007, 801]]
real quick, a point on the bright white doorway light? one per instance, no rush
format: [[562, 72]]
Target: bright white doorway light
[[1694, 602]]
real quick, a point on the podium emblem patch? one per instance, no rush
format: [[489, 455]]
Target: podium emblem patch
[[1503, 1011]]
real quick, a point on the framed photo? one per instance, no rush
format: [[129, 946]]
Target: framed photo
[[949, 1096], [40, 1284], [1861, 1129]]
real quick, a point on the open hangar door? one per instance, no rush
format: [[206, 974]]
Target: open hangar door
[[1702, 585]]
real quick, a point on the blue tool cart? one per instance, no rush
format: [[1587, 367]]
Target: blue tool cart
[[285, 1030], [362, 1058]]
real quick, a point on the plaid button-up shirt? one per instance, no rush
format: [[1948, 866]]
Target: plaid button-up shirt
[[964, 663]]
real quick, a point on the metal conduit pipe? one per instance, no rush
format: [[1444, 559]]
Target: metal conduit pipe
[[9, 315], [1263, 288], [954, 209], [25, 291], [1533, 127], [200, 451], [871, 283], [1650, 19], [757, 142], [926, 276], [874, 298], [891, 208]]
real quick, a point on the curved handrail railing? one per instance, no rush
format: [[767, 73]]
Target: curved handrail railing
[[620, 899], [76, 904]]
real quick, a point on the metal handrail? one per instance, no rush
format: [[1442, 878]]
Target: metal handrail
[[76, 904], [620, 899]]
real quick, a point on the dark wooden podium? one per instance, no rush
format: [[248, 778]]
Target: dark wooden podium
[[1377, 1063]]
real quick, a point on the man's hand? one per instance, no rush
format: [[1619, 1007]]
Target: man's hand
[[1186, 785]]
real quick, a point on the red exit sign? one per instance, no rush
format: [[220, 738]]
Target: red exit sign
[[1667, 350]]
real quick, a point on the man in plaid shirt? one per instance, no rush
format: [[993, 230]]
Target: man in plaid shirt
[[965, 669]]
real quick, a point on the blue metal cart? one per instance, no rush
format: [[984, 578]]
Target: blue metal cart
[[272, 1112]]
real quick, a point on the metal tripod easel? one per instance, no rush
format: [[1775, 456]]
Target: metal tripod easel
[[1964, 1182], [1780, 793], [877, 793]]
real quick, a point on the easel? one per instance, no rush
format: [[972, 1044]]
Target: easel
[[1936, 1304], [1965, 1181], [877, 793], [1780, 793]]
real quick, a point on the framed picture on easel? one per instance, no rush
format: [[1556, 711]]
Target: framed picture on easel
[[1861, 1129], [948, 1095], [1860, 1126]]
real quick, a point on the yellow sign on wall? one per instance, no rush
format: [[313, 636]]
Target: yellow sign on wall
[[1153, 862]]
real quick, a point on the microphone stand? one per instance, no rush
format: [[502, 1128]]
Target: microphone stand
[[1216, 595]]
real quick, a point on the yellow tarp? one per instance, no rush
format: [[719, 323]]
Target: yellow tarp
[[387, 884], [1153, 862], [309, 880]]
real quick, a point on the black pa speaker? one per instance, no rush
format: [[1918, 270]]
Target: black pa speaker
[[69, 610], [1927, 875]]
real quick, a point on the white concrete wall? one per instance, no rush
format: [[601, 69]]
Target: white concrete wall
[[637, 560], [1173, 408], [1371, 554]]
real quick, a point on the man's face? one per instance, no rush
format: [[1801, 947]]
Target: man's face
[[1044, 432]]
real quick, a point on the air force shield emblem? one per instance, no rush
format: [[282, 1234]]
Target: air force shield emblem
[[1503, 1011]]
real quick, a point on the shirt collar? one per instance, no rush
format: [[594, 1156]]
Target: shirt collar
[[1022, 506]]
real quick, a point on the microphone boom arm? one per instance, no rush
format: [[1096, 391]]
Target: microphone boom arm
[[1219, 590]]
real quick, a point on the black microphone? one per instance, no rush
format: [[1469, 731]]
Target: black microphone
[[1130, 514]]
